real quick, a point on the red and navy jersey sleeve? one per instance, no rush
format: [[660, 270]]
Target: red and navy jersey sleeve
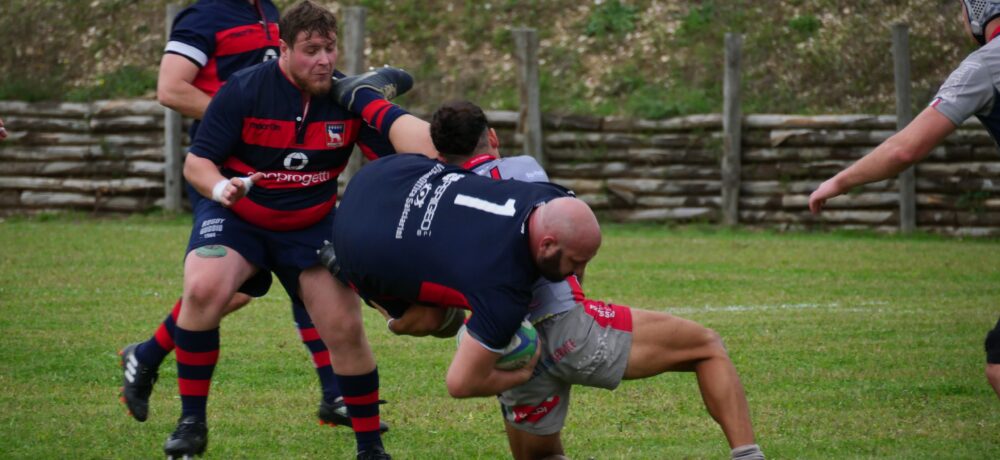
[[223, 37], [221, 129], [373, 145], [192, 36]]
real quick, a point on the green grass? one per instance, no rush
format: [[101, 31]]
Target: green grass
[[850, 346]]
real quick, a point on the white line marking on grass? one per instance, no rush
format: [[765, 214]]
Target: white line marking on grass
[[865, 306]]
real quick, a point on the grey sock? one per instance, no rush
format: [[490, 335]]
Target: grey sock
[[748, 452]]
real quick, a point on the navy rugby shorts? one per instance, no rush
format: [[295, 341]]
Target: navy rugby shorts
[[285, 254]]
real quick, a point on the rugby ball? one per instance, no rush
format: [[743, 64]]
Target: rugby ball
[[519, 351]]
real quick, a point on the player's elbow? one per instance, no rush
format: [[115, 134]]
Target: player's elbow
[[905, 156], [904, 153], [166, 96], [458, 387]]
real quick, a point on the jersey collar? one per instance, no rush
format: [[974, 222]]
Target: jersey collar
[[478, 160]]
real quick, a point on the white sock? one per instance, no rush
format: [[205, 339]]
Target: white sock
[[747, 452]]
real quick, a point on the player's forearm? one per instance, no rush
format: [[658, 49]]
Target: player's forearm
[[183, 97], [201, 173], [487, 384], [472, 372], [886, 161]]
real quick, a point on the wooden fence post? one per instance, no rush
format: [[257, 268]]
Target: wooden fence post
[[530, 119], [732, 118], [904, 114], [173, 157], [354, 63]]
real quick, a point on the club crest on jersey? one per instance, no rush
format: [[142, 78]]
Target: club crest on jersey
[[295, 161], [270, 54], [334, 134]]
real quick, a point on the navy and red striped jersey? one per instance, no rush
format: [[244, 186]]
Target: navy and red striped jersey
[[262, 122], [222, 37], [413, 229]]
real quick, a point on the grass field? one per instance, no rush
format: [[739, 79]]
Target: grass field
[[850, 346]]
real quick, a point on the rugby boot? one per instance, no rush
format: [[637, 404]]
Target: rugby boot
[[387, 81], [188, 440], [137, 383], [374, 453], [335, 413]]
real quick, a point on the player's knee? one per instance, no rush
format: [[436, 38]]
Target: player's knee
[[712, 342], [204, 294]]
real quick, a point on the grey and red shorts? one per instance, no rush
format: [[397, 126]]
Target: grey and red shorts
[[587, 345]]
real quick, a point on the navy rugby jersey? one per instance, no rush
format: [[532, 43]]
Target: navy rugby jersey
[[261, 122], [413, 229], [222, 37]]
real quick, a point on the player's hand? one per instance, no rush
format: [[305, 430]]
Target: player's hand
[[238, 188], [826, 190]]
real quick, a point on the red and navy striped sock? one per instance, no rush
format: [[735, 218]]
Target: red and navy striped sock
[[153, 351], [361, 398], [320, 355], [197, 354], [376, 110]]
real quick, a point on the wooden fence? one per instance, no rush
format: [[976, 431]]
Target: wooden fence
[[107, 157]]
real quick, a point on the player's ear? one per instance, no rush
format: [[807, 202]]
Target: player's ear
[[283, 48], [494, 140], [548, 246]]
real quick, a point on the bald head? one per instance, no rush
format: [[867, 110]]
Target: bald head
[[564, 236]]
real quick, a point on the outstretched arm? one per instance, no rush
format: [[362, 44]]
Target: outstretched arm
[[897, 153]]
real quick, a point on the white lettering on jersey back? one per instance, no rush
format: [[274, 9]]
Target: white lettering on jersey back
[[411, 199], [425, 223]]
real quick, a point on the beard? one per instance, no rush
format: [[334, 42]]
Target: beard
[[548, 267], [312, 86]]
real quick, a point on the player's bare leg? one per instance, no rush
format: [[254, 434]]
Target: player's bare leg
[[210, 284], [336, 313], [211, 276], [993, 375], [527, 446], [663, 342]]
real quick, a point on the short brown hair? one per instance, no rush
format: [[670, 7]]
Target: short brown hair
[[306, 16], [458, 128]]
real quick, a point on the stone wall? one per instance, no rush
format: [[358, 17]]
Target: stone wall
[[107, 157]]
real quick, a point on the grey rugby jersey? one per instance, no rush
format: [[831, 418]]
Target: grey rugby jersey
[[971, 89]]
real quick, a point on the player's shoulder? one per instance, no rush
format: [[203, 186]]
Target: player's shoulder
[[524, 168], [206, 14]]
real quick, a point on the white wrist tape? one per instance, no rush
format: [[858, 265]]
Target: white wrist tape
[[217, 190], [220, 187]]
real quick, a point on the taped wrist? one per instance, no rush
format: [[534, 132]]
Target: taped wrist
[[218, 188]]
